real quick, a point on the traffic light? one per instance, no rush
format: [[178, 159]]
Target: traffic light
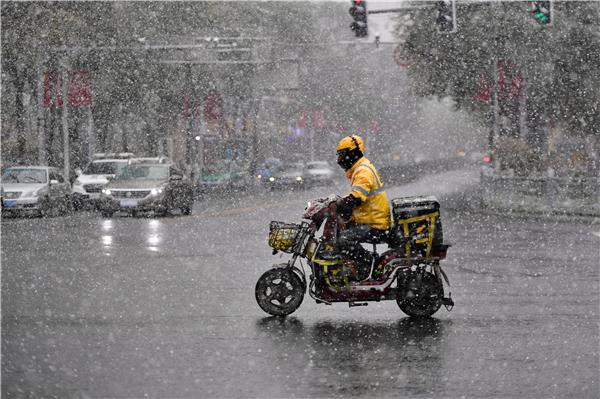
[[446, 16], [542, 12], [359, 13]]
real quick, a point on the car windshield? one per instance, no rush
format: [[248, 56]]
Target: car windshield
[[146, 172], [24, 175], [272, 163], [318, 165], [104, 168], [293, 169]]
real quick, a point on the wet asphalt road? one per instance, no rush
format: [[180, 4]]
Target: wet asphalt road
[[164, 307]]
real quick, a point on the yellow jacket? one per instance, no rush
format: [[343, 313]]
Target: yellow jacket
[[367, 185]]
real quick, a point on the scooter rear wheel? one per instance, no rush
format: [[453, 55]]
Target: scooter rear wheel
[[279, 291], [420, 295]]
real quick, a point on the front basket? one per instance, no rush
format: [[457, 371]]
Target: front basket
[[284, 236]]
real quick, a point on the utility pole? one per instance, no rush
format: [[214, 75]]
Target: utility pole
[[312, 144], [199, 157], [65, 120], [90, 133], [189, 124], [523, 131], [42, 158], [495, 106], [198, 148]]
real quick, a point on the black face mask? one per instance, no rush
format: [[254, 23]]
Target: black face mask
[[347, 158]]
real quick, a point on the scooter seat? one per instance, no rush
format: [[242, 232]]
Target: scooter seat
[[378, 237]]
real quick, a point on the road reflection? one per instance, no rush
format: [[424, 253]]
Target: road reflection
[[356, 358], [131, 232], [107, 241], [107, 225], [106, 238], [154, 238]]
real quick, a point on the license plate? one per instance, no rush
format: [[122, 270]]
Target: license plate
[[9, 203], [129, 203]]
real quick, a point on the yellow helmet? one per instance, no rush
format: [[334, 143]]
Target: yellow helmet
[[351, 142]]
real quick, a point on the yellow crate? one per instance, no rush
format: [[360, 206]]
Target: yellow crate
[[283, 236]]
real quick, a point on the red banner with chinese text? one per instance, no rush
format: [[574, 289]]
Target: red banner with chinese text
[[213, 107], [79, 89]]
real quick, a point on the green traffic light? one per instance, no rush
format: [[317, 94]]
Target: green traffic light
[[541, 17]]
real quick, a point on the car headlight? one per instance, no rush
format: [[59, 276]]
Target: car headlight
[[299, 178], [35, 193], [271, 178], [156, 191], [106, 191]]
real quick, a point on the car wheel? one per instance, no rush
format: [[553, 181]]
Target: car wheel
[[162, 213], [66, 207], [187, 209], [77, 203], [167, 208], [45, 208], [106, 213]]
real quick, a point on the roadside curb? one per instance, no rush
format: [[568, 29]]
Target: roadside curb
[[473, 200]]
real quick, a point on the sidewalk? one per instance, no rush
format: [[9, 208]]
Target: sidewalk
[[465, 189], [450, 185], [566, 196]]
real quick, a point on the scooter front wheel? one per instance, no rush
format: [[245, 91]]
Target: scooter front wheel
[[279, 291]]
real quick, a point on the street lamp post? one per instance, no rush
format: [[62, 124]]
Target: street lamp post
[[64, 119], [42, 156], [199, 156], [312, 144], [495, 106]]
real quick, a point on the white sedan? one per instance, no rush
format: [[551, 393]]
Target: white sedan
[[38, 190]]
